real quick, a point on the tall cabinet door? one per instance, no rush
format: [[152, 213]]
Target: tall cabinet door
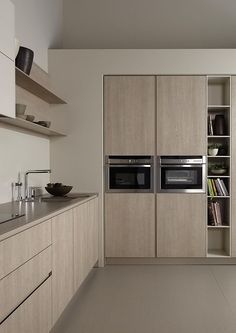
[[129, 225], [62, 255], [181, 115], [181, 225], [129, 115]]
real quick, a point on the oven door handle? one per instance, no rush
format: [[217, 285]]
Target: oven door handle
[[181, 165], [129, 165]]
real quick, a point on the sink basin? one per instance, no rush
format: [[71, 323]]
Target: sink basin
[[65, 198]]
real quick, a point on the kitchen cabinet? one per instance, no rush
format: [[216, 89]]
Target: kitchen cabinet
[[7, 29], [33, 315], [7, 58], [129, 115], [181, 225], [18, 285], [181, 115], [62, 262], [7, 86], [129, 225], [18, 249], [85, 240]]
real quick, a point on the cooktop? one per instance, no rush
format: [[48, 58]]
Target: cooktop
[[5, 217]]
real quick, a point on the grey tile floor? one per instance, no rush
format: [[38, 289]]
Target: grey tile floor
[[154, 299]]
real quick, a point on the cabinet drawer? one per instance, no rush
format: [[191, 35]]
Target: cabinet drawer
[[32, 316], [16, 250], [18, 285]]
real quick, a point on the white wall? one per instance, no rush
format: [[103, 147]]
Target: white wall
[[78, 158], [19, 152], [39, 26]]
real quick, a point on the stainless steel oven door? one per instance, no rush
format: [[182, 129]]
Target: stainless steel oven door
[[185, 178], [129, 178]]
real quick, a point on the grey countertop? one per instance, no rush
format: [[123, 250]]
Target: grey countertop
[[36, 212]]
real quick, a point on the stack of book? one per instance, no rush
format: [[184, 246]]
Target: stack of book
[[216, 187], [214, 213]]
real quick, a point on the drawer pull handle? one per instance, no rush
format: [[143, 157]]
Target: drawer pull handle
[[26, 298]]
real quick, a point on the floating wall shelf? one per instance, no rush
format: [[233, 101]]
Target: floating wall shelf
[[26, 82], [21, 123]]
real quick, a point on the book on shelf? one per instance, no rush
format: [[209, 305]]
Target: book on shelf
[[210, 125], [214, 213], [217, 187]]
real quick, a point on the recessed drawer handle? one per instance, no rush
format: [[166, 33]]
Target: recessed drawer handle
[[26, 298]]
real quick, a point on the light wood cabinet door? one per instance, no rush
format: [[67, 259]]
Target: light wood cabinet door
[[233, 163], [34, 315], [62, 262], [18, 249], [19, 284], [7, 28], [129, 225], [181, 225], [85, 240], [181, 115], [129, 115], [7, 86]]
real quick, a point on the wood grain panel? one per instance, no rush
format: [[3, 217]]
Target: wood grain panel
[[129, 115], [181, 225], [62, 262], [16, 250], [129, 225], [34, 315], [18, 285], [181, 115], [85, 240]]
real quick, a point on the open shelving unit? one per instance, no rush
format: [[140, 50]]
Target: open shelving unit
[[218, 205], [41, 91]]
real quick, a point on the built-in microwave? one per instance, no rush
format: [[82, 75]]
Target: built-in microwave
[[129, 174], [184, 174]]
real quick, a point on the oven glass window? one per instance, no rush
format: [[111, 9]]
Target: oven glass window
[[181, 178], [129, 178]]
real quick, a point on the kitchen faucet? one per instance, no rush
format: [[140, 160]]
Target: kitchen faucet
[[26, 180]]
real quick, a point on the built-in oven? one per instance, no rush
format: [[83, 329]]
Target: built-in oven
[[184, 174], [129, 174]]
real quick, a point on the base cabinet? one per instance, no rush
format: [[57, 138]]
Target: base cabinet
[[62, 262], [181, 225], [85, 240], [129, 225], [32, 316]]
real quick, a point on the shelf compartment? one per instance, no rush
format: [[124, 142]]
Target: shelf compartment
[[218, 226], [217, 254], [218, 242], [219, 90], [224, 209], [21, 123], [219, 112], [26, 82], [219, 197], [218, 156], [218, 136], [226, 107]]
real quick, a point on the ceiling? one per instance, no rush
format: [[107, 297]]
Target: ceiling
[[149, 24]]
